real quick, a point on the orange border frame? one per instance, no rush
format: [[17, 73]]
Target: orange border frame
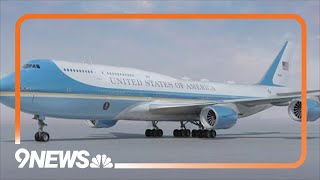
[[295, 17]]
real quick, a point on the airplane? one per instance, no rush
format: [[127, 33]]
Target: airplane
[[103, 95]]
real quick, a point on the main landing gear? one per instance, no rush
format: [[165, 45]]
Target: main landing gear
[[183, 132], [198, 133], [155, 132], [41, 135], [204, 133]]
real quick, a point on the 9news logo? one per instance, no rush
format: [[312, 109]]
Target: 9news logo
[[61, 159]]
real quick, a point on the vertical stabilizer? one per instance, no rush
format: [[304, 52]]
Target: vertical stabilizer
[[278, 72]]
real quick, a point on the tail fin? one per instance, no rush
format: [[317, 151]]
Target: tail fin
[[278, 72]]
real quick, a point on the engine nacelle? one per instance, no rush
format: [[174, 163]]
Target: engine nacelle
[[218, 117], [313, 110], [101, 123]]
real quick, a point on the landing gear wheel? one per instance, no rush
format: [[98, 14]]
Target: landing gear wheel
[[189, 132], [207, 134], [175, 133], [195, 133], [37, 136], [44, 136], [148, 133], [213, 133], [154, 133], [183, 133], [202, 133]]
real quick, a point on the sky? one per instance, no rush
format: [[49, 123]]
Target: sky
[[218, 50]]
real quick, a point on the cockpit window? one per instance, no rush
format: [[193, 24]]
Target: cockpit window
[[27, 66], [37, 66]]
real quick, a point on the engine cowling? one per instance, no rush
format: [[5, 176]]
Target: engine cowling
[[100, 123], [218, 117], [313, 110]]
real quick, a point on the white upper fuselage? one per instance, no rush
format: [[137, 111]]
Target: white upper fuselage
[[129, 78]]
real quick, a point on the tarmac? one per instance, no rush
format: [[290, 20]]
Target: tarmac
[[259, 139]]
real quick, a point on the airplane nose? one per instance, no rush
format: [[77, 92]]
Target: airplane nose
[[7, 83]]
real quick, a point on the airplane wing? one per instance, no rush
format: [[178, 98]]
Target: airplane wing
[[311, 92], [193, 108]]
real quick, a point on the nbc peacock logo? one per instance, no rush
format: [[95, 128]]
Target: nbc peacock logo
[[101, 161]]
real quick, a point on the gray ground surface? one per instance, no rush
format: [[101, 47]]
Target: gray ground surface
[[254, 139]]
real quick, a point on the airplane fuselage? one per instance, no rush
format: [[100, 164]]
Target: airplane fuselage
[[83, 91]]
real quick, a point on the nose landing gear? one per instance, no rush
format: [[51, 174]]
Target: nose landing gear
[[41, 135]]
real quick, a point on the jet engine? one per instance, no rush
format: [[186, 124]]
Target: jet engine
[[218, 117], [313, 110], [100, 123]]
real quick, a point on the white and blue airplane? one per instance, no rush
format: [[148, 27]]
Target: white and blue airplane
[[102, 95]]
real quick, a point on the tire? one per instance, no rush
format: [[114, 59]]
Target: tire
[[197, 133], [183, 133], [213, 133], [44, 137], [148, 132], [193, 133], [175, 133], [208, 133], [160, 133], [188, 132], [37, 136], [203, 133], [154, 133]]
